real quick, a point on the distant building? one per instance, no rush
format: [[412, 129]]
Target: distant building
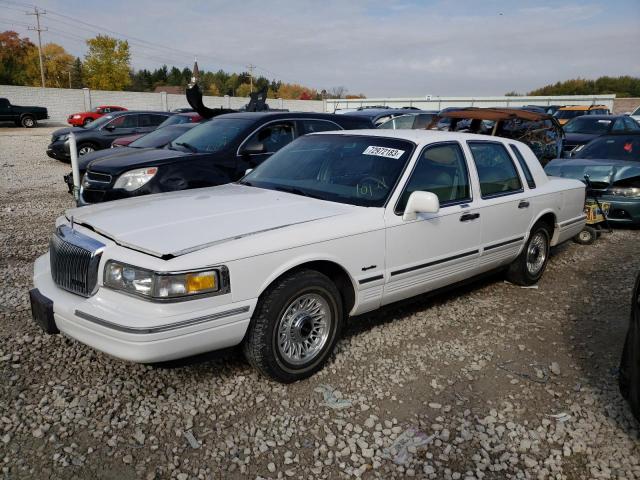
[[169, 89]]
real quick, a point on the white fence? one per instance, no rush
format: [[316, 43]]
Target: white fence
[[438, 103], [60, 102]]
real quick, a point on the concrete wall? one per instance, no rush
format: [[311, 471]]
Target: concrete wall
[[62, 101], [623, 105], [438, 103]]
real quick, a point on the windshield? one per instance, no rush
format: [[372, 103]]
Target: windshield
[[586, 124], [566, 114], [357, 170], [158, 138], [175, 120], [212, 136], [636, 111], [99, 122], [621, 147]]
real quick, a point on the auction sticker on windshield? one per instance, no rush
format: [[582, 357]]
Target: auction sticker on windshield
[[383, 152]]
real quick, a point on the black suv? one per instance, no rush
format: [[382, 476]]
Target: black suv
[[213, 153], [100, 133]]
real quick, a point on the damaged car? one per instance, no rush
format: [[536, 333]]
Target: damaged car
[[612, 164], [333, 225]]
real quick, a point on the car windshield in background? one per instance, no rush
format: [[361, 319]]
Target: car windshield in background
[[175, 120], [99, 122], [158, 138], [585, 124], [613, 147], [212, 136], [566, 114], [340, 168]]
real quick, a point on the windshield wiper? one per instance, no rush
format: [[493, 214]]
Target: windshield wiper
[[187, 146], [297, 191]]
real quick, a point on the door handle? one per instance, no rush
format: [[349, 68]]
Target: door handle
[[523, 204], [467, 217]]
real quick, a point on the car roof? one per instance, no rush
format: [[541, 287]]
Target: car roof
[[598, 117], [582, 107], [276, 115], [419, 136], [380, 112]]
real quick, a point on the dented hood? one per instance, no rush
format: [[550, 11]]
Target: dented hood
[[602, 173], [171, 224]]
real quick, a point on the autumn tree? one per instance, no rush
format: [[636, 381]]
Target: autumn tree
[[243, 90], [57, 65], [77, 80], [106, 64], [295, 92], [13, 53]]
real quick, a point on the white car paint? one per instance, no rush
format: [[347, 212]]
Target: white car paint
[[261, 234]]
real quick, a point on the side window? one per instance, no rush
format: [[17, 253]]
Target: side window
[[106, 110], [124, 121], [631, 125], [523, 165], [441, 169], [311, 126], [274, 136], [496, 171], [400, 122], [618, 126], [150, 120]]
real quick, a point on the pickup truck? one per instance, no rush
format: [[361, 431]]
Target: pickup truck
[[335, 224], [26, 116]]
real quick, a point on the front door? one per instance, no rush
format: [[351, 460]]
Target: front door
[[435, 249], [265, 142], [121, 126]]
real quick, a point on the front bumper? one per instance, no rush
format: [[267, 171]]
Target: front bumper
[[140, 331], [623, 212], [59, 151]]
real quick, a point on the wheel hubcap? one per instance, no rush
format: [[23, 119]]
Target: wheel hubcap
[[28, 122], [85, 150], [303, 329], [537, 253], [584, 236]]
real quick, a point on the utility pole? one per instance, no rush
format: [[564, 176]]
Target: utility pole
[[250, 67], [69, 72], [37, 13]]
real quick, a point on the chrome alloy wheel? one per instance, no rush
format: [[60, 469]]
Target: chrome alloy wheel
[[86, 149], [303, 329], [537, 252]]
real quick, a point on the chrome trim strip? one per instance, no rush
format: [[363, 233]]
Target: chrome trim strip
[[571, 222], [161, 328], [436, 262], [370, 279], [502, 244]]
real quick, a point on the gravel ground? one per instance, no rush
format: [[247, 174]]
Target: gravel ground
[[488, 381]]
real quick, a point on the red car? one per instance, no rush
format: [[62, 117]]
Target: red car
[[188, 117], [82, 119]]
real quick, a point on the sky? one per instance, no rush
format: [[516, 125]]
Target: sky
[[381, 48]]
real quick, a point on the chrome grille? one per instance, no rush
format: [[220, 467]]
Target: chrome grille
[[74, 261], [98, 177]]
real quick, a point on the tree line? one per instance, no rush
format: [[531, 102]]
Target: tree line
[[623, 86], [107, 66]]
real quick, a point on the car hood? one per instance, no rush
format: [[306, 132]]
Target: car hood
[[85, 160], [171, 224], [127, 140], [602, 173], [140, 157], [65, 130], [579, 138]]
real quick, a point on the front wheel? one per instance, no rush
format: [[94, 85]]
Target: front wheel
[[295, 327], [85, 148], [528, 268]]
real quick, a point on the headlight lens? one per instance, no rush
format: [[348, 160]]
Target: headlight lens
[[134, 179], [163, 286], [631, 192], [77, 116], [64, 137]]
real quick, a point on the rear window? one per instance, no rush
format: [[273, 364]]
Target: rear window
[[523, 165]]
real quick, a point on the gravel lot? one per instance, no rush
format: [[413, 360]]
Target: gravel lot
[[489, 381]]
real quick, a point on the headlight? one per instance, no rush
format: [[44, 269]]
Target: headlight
[[62, 138], [134, 179], [165, 286], [631, 192], [77, 116]]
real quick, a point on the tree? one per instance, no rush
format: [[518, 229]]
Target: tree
[[13, 52], [174, 77], [243, 90], [295, 91], [76, 74], [213, 90], [57, 65], [337, 92], [624, 86], [106, 63]]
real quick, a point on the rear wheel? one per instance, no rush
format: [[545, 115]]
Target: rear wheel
[[28, 121], [528, 268], [295, 327], [85, 148], [586, 236]]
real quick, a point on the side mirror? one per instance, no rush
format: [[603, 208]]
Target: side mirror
[[110, 128], [421, 202], [254, 147], [248, 171]]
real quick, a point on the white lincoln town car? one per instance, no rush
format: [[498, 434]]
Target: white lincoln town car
[[333, 225]]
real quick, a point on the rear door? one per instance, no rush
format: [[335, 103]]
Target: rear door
[[505, 207], [121, 126], [149, 121]]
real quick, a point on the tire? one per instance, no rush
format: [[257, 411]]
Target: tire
[[86, 121], [586, 236], [28, 121], [282, 325], [528, 268], [84, 148]]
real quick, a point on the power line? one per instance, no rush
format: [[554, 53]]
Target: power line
[[38, 29]]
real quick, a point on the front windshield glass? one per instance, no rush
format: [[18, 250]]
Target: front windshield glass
[[103, 120], [567, 114], [357, 170], [158, 138], [175, 120], [586, 124], [621, 147], [212, 136]]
